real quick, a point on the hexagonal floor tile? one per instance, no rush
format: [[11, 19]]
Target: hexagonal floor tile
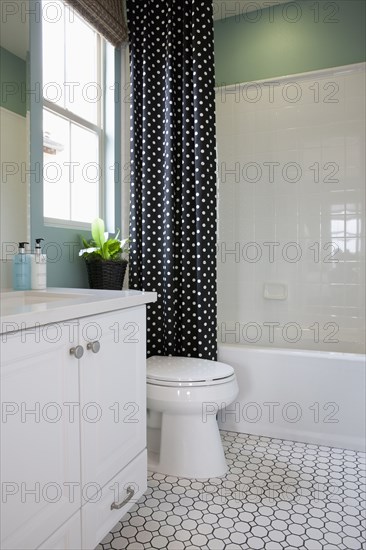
[[276, 495]]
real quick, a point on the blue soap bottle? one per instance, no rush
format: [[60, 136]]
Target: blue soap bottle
[[22, 269]]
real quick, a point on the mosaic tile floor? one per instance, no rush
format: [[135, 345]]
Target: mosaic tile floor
[[276, 495]]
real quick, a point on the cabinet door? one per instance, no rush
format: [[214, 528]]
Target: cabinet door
[[40, 458], [67, 537], [113, 395]]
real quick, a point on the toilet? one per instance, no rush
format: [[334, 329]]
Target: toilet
[[184, 395]]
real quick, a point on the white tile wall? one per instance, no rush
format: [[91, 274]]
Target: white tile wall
[[291, 170]]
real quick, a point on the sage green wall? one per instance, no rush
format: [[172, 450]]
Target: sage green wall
[[12, 82], [264, 44]]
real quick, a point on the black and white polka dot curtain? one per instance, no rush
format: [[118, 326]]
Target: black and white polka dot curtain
[[173, 173]]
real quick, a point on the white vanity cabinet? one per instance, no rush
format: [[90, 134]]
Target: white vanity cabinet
[[73, 429], [67, 537]]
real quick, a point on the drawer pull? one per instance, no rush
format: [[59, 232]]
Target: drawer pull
[[93, 346], [130, 494]]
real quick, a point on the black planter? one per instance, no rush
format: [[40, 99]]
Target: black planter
[[106, 274]]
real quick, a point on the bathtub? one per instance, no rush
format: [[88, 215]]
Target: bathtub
[[308, 396]]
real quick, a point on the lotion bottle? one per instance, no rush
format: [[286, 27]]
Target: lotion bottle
[[39, 268], [22, 269]]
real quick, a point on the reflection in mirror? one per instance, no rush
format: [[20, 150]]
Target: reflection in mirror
[[14, 133]]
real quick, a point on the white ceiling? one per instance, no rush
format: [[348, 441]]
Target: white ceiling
[[228, 8], [14, 32]]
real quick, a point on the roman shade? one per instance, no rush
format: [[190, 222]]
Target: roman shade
[[106, 16]]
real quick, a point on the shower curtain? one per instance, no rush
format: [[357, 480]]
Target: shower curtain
[[173, 173]]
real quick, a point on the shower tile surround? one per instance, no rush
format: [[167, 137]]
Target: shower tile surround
[[291, 170], [277, 495]]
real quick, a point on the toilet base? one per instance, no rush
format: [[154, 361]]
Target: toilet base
[[189, 447]]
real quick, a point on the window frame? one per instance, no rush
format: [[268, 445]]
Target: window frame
[[98, 129]]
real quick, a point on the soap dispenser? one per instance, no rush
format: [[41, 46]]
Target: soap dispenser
[[39, 267], [22, 269]]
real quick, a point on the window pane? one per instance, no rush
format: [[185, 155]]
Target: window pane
[[53, 22], [86, 174], [70, 69], [56, 156], [84, 92]]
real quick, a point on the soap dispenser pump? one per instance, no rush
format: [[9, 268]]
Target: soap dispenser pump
[[22, 269], [39, 267]]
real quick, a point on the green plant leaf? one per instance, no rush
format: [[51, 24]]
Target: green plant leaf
[[114, 247], [97, 230], [105, 251]]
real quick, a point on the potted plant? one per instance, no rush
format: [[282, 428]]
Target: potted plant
[[104, 259]]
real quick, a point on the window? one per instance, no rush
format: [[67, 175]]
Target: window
[[73, 133]]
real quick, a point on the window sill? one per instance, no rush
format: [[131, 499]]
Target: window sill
[[66, 224]]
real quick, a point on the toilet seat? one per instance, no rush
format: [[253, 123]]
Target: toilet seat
[[187, 371]]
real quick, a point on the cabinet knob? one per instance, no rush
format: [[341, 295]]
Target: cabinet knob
[[130, 494], [77, 352], [93, 346]]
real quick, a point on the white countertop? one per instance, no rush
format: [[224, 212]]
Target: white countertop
[[20, 310]]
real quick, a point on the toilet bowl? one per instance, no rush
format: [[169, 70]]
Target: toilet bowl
[[184, 395]]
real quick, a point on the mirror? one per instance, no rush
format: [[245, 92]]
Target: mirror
[[14, 132]]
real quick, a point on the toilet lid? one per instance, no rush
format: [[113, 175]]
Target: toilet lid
[[186, 369]]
